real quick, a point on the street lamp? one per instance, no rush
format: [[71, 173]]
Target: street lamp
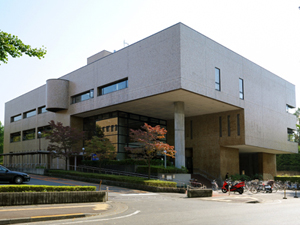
[[39, 137], [83, 153], [165, 158]]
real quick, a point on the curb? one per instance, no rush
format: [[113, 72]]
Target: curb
[[115, 208], [43, 218]]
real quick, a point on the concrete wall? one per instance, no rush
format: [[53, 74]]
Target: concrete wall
[[152, 66], [204, 138], [267, 162], [265, 94]]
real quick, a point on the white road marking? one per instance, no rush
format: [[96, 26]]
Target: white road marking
[[97, 220], [142, 194]]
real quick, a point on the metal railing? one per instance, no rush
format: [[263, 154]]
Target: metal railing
[[120, 173], [109, 171]]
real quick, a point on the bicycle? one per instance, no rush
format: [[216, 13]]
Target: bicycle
[[214, 185]]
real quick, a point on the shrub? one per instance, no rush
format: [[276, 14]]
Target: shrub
[[257, 176], [44, 188], [128, 179], [157, 162], [160, 169], [284, 178], [241, 177]]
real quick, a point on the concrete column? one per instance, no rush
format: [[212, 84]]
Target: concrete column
[[179, 134]]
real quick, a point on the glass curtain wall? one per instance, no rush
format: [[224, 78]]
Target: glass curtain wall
[[116, 126]]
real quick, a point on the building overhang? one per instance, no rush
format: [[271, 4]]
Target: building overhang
[[162, 105], [256, 149]]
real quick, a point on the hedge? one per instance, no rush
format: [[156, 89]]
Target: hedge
[[128, 179], [160, 169], [292, 179], [104, 162], [44, 188]]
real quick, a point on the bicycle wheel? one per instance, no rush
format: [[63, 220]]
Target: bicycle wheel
[[253, 190], [274, 189], [214, 187]]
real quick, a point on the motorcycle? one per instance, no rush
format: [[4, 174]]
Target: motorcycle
[[239, 187]]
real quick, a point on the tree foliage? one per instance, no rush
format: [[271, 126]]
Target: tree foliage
[[64, 140], [100, 146], [297, 132], [13, 46], [149, 144], [288, 162]]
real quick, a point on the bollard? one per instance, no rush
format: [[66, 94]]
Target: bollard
[[296, 193], [284, 196], [228, 189], [100, 185], [107, 193]]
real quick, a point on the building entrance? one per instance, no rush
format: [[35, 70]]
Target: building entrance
[[189, 159], [249, 164]]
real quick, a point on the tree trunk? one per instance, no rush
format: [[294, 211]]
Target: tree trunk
[[149, 168], [66, 164]]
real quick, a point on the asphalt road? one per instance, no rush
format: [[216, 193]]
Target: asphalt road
[[136, 207], [170, 208]]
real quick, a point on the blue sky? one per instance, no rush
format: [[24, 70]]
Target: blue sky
[[266, 32]]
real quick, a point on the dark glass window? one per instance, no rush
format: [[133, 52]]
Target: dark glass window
[[241, 88], [16, 118], [291, 134], [29, 114], [116, 126], [217, 79], [28, 134], [42, 110], [119, 85], [135, 117], [82, 97], [15, 137], [289, 108], [43, 130]]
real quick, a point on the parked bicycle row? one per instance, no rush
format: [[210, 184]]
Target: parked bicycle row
[[254, 186]]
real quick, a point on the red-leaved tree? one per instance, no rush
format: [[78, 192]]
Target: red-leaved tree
[[150, 144], [64, 140]]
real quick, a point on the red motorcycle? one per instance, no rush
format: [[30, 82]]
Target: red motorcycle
[[239, 187]]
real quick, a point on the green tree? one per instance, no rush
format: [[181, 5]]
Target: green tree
[[297, 132], [64, 140], [100, 146], [13, 46], [150, 144]]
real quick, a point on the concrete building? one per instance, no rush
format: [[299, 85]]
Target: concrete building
[[223, 112]]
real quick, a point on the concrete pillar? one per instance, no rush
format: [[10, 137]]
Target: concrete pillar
[[179, 137]]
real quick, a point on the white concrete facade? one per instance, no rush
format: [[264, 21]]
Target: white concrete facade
[[174, 65]]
